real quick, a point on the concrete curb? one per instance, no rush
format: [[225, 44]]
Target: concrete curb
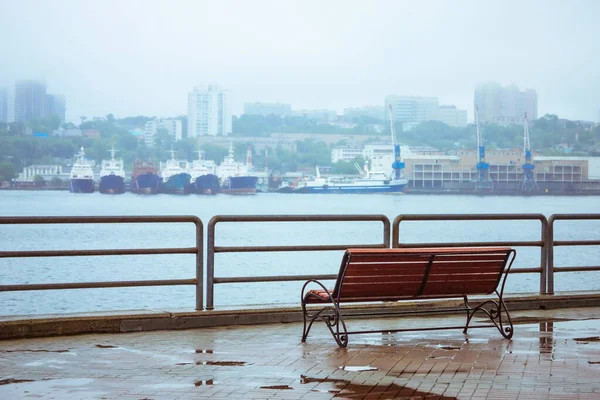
[[136, 321]]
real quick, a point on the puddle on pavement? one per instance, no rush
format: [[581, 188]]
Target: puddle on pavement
[[357, 368], [587, 339], [204, 383], [278, 387], [344, 388], [106, 346], [33, 351], [453, 348], [222, 363], [8, 381]]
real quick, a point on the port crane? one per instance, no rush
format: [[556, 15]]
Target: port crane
[[398, 164], [483, 182], [529, 182]]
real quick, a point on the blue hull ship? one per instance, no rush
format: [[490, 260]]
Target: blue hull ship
[[147, 183], [206, 184], [361, 189], [239, 185], [111, 184], [176, 184], [82, 186]]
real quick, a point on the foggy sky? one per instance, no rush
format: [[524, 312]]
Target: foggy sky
[[143, 57]]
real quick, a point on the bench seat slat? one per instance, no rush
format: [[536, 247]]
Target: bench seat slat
[[382, 258]]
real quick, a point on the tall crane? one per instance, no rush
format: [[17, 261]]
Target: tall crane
[[529, 182], [398, 164], [483, 182]]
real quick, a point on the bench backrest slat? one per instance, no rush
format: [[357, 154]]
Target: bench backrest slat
[[396, 274]]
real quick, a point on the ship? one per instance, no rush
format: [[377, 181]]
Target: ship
[[145, 179], [234, 177], [174, 177], [82, 174], [203, 178], [112, 176], [369, 182]]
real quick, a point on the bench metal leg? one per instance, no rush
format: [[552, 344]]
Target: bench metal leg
[[496, 311], [330, 314]]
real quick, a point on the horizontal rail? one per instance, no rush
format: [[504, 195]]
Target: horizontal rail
[[420, 329], [213, 249], [99, 252], [279, 278], [552, 243], [299, 218], [250, 249], [532, 243], [91, 285], [99, 219], [542, 243], [577, 269], [576, 243], [198, 251]]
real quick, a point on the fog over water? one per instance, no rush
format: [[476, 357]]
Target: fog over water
[[142, 57]]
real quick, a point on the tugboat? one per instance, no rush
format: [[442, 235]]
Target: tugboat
[[202, 176], [112, 176], [175, 179], [234, 176], [145, 179], [82, 175]]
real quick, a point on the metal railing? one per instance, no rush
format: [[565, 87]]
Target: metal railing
[[197, 250], [542, 243], [552, 269], [212, 249]]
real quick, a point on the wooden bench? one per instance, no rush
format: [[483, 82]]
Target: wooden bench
[[386, 275]]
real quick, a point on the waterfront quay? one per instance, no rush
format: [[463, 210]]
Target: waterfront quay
[[554, 354], [209, 348]]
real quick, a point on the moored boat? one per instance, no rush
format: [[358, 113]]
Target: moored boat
[[112, 176], [234, 176], [370, 182], [145, 179], [202, 176], [174, 177], [82, 174]]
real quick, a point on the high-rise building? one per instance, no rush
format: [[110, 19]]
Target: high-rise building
[[452, 116], [29, 100], [265, 109], [505, 105], [208, 111], [172, 126], [3, 105], [55, 105], [411, 111]]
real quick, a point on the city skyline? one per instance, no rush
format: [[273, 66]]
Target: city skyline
[[335, 58]]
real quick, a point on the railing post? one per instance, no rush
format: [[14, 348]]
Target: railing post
[[199, 265], [210, 263], [386, 232], [544, 258], [550, 263]]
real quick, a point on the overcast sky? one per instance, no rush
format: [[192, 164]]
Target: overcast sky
[[143, 57]]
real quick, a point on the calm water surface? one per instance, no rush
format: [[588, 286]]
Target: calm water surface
[[82, 269]]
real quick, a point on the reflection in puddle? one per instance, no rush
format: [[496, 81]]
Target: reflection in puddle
[[33, 351], [222, 363], [357, 368], [200, 351], [277, 387], [106, 346], [344, 388], [204, 383], [587, 339], [8, 381]]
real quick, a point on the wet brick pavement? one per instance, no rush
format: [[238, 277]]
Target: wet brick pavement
[[556, 359]]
